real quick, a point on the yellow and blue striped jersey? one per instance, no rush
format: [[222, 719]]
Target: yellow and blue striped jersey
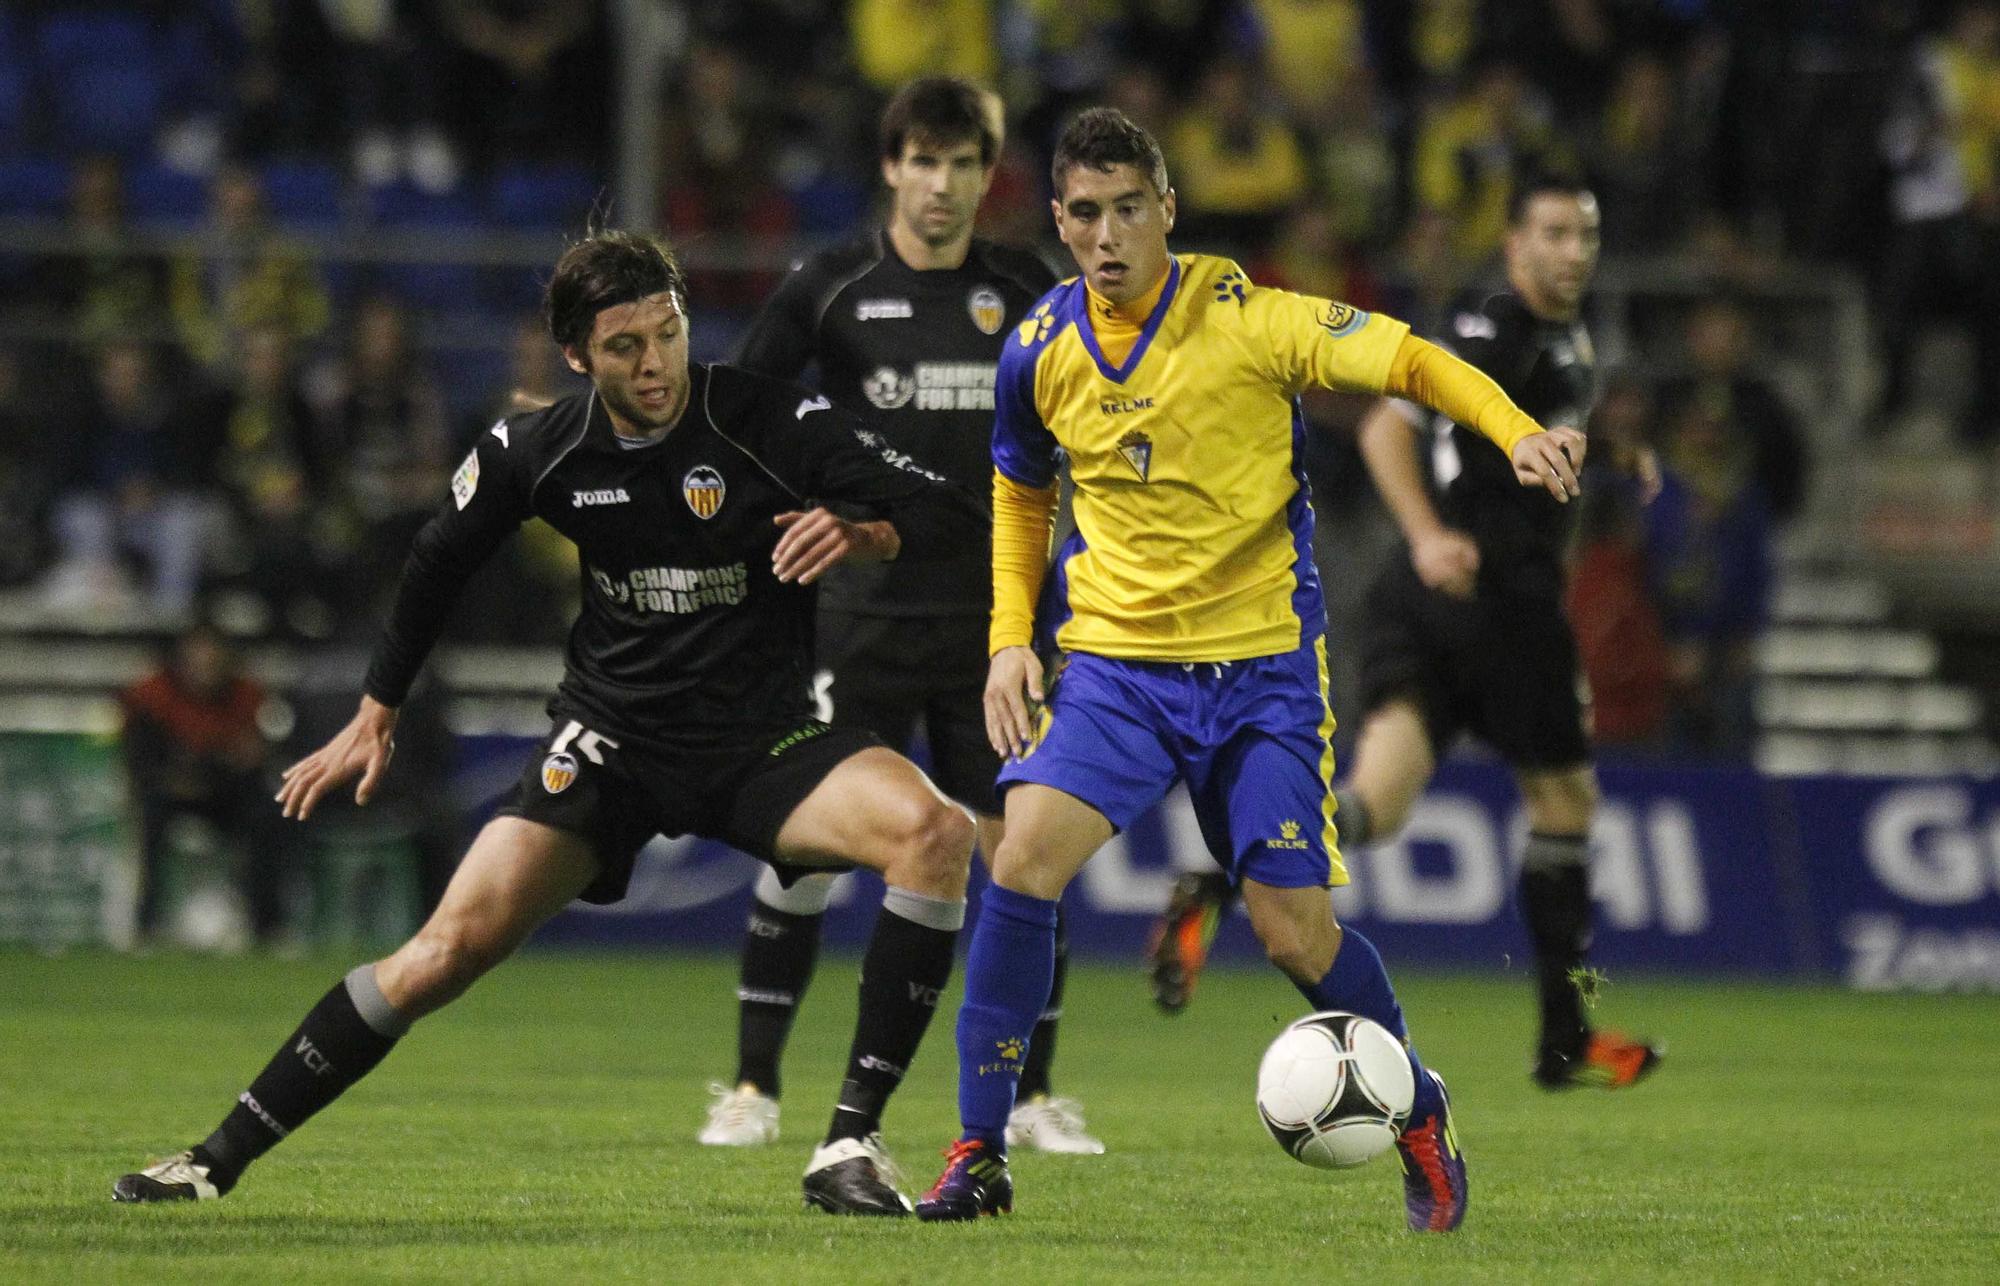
[[1194, 520]]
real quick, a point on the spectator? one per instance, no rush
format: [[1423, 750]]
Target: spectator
[[136, 488], [717, 170], [1472, 148], [1239, 167], [103, 287], [245, 275], [1637, 163], [27, 481], [1708, 544], [899, 40], [514, 78], [1350, 143], [194, 748], [1942, 142], [1725, 380], [384, 437]]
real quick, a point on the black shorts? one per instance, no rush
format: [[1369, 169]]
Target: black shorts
[[616, 793], [1502, 667], [891, 673]]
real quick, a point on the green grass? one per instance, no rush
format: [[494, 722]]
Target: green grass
[[542, 1129]]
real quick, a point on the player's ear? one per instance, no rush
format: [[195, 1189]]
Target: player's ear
[[889, 172], [1172, 207], [579, 361], [1055, 213]]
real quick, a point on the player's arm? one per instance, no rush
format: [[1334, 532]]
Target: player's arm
[[1024, 511], [1319, 341], [1445, 559], [839, 458], [489, 499]]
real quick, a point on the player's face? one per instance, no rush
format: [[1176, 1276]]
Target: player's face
[[1116, 226], [1553, 252], [637, 356], [938, 188]]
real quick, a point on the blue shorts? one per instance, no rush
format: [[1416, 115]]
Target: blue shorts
[[1252, 740]]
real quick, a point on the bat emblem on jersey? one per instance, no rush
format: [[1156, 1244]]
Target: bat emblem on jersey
[[1137, 448], [703, 489], [558, 772], [987, 308]]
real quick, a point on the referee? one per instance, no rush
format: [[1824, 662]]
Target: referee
[[904, 326]]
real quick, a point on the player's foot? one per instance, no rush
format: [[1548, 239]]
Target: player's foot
[[1434, 1185], [974, 1183], [744, 1117], [178, 1178], [1051, 1125], [1182, 936], [854, 1177], [1611, 1060]]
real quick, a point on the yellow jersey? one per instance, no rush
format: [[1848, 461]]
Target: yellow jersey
[[1194, 537]]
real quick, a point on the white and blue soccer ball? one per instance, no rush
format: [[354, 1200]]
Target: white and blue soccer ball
[[1335, 1090]]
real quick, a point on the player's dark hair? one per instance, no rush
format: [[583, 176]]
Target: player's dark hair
[[1104, 137], [607, 268], [941, 111], [1528, 187]]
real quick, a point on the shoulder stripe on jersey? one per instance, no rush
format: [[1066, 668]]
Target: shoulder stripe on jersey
[[708, 389], [842, 283], [588, 410]]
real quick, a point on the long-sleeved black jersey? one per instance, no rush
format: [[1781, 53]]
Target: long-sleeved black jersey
[[684, 628], [914, 352], [1550, 370]]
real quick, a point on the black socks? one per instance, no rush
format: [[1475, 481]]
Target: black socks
[[1555, 902], [902, 975], [778, 956]]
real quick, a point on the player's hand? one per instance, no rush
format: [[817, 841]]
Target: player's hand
[[363, 746], [1013, 691], [1646, 469], [1550, 459], [815, 540], [1446, 561]]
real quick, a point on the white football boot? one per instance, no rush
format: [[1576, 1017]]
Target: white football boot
[[177, 1178], [1051, 1125], [743, 1117]]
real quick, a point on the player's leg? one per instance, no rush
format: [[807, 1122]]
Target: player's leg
[[1099, 760], [517, 874], [1393, 762], [966, 768], [1556, 905], [874, 808]]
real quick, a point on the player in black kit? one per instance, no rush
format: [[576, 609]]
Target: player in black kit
[[698, 498], [1466, 630], [904, 325]]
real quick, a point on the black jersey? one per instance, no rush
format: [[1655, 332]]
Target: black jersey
[[915, 353], [684, 627], [1550, 370]]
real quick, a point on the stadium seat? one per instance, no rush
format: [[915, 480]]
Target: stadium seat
[[102, 75], [15, 81], [535, 197], [161, 194], [33, 187], [303, 194], [439, 287]]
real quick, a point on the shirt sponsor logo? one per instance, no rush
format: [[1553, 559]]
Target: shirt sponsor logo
[[466, 481], [607, 496], [1137, 448], [888, 388], [883, 310], [676, 590], [559, 772], [955, 386], [988, 309], [891, 456], [1341, 320], [703, 489]]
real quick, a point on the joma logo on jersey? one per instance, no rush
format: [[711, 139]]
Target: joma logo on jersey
[[1125, 406], [606, 496], [1137, 449], [703, 489], [884, 310]]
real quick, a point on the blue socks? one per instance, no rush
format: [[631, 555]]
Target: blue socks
[[1008, 972], [1359, 984]]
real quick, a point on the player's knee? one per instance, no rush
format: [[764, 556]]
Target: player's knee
[[438, 965], [931, 846], [1562, 804], [1301, 952]]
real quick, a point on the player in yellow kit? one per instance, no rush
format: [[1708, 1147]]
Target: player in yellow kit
[[1189, 613]]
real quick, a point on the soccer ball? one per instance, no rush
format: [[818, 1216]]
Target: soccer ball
[[1335, 1089]]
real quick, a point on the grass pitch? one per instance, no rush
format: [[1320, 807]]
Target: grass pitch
[[542, 1129]]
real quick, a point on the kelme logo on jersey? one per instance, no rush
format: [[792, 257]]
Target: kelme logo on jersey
[[888, 388], [987, 308], [1036, 328], [703, 489], [1341, 320], [558, 772], [1289, 831], [1137, 448], [1230, 284]]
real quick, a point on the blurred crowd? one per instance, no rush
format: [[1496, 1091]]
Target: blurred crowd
[[199, 399]]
